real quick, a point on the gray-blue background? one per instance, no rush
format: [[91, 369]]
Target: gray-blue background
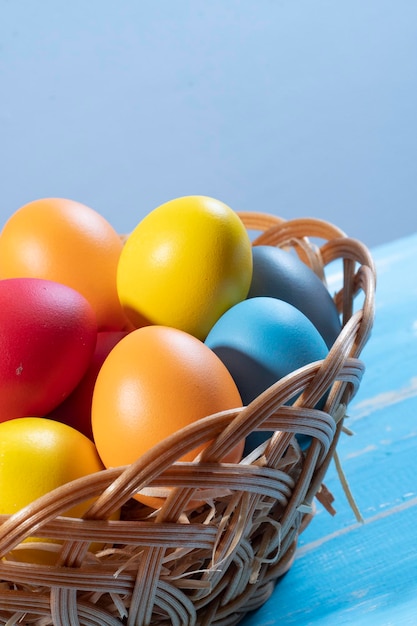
[[293, 107]]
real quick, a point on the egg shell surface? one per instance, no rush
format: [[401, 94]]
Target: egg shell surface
[[154, 382], [262, 339], [282, 274], [48, 333], [184, 264], [38, 455], [75, 410], [68, 242]]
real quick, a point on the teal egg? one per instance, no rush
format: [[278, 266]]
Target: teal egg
[[280, 274], [262, 339]]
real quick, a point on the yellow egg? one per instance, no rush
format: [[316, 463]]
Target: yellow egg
[[36, 456], [184, 265]]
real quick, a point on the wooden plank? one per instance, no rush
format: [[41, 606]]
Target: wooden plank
[[358, 575]]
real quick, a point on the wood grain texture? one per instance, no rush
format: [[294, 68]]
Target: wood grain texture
[[350, 573]]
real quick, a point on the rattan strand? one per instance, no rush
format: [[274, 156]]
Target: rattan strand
[[213, 563]]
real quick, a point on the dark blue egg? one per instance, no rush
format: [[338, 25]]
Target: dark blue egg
[[262, 339], [281, 274]]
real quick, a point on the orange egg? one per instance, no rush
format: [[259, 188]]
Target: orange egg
[[154, 382], [70, 243]]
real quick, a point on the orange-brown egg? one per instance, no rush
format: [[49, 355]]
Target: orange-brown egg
[[155, 381]]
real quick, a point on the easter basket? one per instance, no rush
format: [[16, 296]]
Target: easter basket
[[214, 562]]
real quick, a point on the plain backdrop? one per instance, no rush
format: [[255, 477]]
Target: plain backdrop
[[294, 107]]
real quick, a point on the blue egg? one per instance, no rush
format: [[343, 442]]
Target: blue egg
[[260, 340], [281, 274]]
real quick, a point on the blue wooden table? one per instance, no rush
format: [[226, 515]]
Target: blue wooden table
[[366, 573]]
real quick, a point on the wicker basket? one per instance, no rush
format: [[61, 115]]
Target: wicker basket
[[214, 564]]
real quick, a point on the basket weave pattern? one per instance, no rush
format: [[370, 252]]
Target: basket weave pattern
[[216, 562]]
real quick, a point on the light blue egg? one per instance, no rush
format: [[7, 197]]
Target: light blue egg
[[262, 339], [281, 274]]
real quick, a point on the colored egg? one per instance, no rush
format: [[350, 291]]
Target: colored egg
[[38, 455], [48, 333], [260, 340], [281, 274], [184, 264], [154, 382], [68, 242], [75, 410]]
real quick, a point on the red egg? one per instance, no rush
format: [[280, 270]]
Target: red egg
[[75, 410], [48, 334]]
